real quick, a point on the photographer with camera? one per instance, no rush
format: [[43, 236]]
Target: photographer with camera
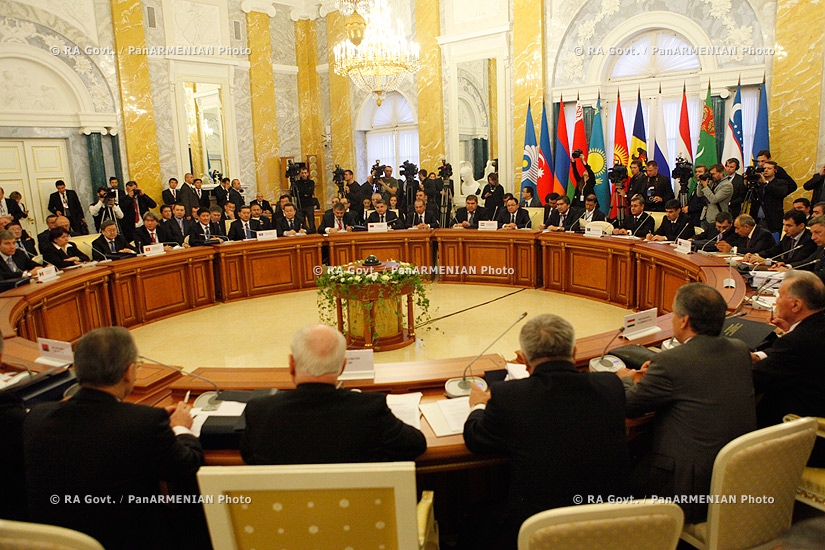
[[773, 192], [815, 185], [303, 190], [134, 205], [385, 184], [105, 208], [585, 181], [493, 195], [356, 193], [717, 191], [655, 188], [431, 187]]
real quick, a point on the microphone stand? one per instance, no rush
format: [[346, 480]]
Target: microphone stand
[[460, 387], [609, 363], [207, 401]]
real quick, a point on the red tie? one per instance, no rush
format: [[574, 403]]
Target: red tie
[[153, 237], [339, 223]]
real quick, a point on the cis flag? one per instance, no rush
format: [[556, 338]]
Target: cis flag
[[597, 158], [545, 179], [761, 138], [638, 143], [706, 150], [562, 173], [685, 148], [530, 161], [733, 132]]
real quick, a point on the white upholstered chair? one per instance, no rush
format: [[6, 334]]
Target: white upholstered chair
[[19, 535], [633, 525], [811, 489], [758, 473], [607, 227], [316, 506]]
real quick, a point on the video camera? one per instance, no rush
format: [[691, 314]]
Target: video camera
[[617, 174], [683, 171], [338, 179], [445, 171], [408, 170], [293, 169], [753, 175], [377, 169]]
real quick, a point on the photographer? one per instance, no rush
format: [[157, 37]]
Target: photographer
[[134, 205], [637, 182], [585, 182], [356, 193], [105, 208], [303, 189], [774, 191], [493, 195], [717, 191], [386, 185], [815, 185]]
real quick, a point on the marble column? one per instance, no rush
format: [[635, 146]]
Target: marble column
[[431, 144], [97, 169], [115, 155], [492, 101], [309, 96], [142, 156], [528, 76], [262, 96], [341, 123], [796, 87]]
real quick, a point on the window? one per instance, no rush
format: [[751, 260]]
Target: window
[[394, 134]]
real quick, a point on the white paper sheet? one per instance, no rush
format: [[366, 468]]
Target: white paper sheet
[[405, 408]]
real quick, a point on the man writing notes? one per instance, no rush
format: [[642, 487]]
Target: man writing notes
[[702, 394], [318, 422], [563, 430]]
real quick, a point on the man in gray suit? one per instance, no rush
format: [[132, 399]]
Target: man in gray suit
[[717, 191], [702, 394]]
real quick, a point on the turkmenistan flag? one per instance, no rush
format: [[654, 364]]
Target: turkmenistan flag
[[706, 150]]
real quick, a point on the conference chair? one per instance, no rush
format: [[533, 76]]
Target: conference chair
[[811, 490], [316, 506], [636, 525], [84, 244], [657, 219], [759, 473], [21, 535], [607, 227]]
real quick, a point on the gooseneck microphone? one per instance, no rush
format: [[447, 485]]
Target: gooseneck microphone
[[682, 231], [460, 387], [772, 258], [633, 233], [208, 401], [607, 362]]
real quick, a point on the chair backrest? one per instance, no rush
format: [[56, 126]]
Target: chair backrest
[[311, 506], [36, 536], [84, 243], [754, 484], [632, 525], [657, 219], [607, 227]]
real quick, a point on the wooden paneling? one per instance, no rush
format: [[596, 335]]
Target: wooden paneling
[[489, 257], [403, 246]]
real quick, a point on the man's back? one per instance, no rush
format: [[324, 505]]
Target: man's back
[[95, 445], [564, 432], [317, 423]]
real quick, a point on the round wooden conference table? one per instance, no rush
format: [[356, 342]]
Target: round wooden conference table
[[629, 273]]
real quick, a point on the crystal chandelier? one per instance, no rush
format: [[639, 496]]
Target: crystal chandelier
[[348, 7], [377, 58]]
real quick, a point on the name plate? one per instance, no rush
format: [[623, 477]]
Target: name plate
[[640, 324], [48, 273], [593, 231], [153, 249], [54, 353], [378, 227], [360, 365], [683, 246], [267, 235], [488, 226]]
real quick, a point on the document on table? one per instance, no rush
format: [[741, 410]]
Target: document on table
[[226, 408], [447, 416], [516, 371], [405, 408]]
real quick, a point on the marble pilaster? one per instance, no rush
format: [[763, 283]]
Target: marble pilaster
[[528, 73], [309, 96], [341, 128], [428, 83]]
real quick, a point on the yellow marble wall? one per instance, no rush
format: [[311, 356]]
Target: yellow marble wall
[[194, 121], [142, 156], [341, 126], [492, 101], [309, 96], [796, 88], [262, 93], [528, 76], [429, 83]]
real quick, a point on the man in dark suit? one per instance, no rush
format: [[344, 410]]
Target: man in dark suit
[[356, 193], [244, 227], [22, 240], [774, 190], [151, 232], [337, 219], [789, 374], [117, 452], [816, 261], [187, 196], [468, 216], [763, 157], [564, 216], [178, 226], [563, 430], [591, 212], [221, 192], [702, 394], [656, 188], [266, 208], [528, 198], [235, 195], [203, 196], [170, 196], [318, 422], [493, 195], [14, 262], [750, 238], [815, 185], [786, 251], [421, 218], [740, 190], [256, 214], [721, 238], [430, 207], [9, 207], [203, 231], [675, 225], [64, 202], [381, 214], [43, 236], [639, 223], [513, 216], [134, 205], [110, 243], [291, 224]]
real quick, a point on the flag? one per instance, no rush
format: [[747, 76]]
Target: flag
[[530, 160], [596, 159], [660, 152], [706, 150], [620, 154], [761, 138], [733, 132], [544, 183], [638, 143], [685, 149], [580, 143], [562, 172]]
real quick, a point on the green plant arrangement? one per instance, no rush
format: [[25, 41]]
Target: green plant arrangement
[[382, 282]]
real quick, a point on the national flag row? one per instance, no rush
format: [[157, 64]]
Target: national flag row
[[547, 172]]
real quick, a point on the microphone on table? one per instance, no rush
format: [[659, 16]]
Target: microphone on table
[[782, 254], [641, 222], [460, 387], [96, 251], [682, 231], [607, 363], [574, 221]]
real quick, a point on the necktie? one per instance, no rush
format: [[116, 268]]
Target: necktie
[[562, 217], [180, 224], [791, 248], [206, 231], [382, 218], [339, 225], [290, 224], [3, 211], [748, 242], [12, 265], [20, 245], [174, 193], [152, 234], [246, 230], [65, 203], [512, 218], [112, 246], [137, 211], [420, 219], [199, 193], [470, 218]]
